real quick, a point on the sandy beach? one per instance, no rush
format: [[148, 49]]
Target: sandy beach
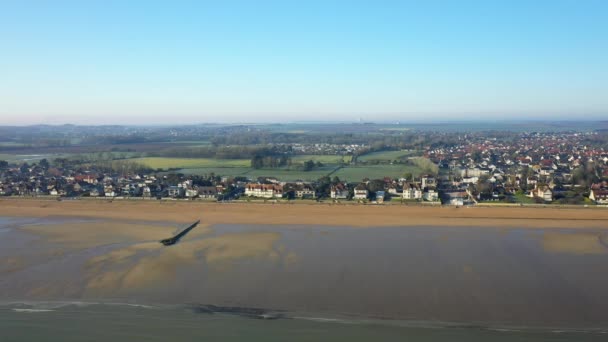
[[306, 214]]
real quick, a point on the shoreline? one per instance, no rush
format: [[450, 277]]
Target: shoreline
[[327, 214]]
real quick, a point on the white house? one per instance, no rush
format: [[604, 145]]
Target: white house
[[430, 195], [411, 191], [264, 190], [361, 192], [305, 191], [428, 181], [338, 191], [544, 193]]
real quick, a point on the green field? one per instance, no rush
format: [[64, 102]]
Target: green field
[[290, 175], [386, 155], [325, 159], [521, 198], [190, 163], [357, 173], [348, 173], [282, 174], [30, 158], [220, 171]]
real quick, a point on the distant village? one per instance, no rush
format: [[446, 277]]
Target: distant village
[[537, 168]]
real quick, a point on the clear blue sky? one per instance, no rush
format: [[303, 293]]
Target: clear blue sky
[[208, 61]]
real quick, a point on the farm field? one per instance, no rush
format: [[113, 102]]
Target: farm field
[[282, 174], [291, 175], [190, 163], [238, 167], [30, 157], [220, 171], [325, 159], [386, 155], [357, 173]]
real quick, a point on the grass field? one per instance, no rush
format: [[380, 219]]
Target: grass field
[[282, 174], [348, 173], [220, 171], [30, 158], [357, 173], [325, 159], [291, 175], [520, 198], [386, 155], [190, 163]]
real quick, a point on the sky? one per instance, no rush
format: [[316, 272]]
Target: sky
[[156, 62]]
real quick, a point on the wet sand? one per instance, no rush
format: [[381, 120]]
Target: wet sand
[[307, 214], [473, 275]]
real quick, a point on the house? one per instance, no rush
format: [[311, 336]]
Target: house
[[430, 195], [392, 190], [147, 192], [207, 192], [470, 179], [543, 192], [264, 190], [109, 191], [360, 192], [411, 191], [380, 196], [599, 196], [428, 181], [191, 193], [305, 191], [95, 192], [456, 198], [338, 191], [176, 191], [6, 190]]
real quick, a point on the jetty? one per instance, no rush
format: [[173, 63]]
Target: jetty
[[173, 240]]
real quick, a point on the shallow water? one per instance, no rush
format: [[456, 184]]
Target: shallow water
[[114, 322], [476, 277]]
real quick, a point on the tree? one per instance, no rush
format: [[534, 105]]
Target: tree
[[375, 185], [323, 186], [44, 164], [24, 168], [3, 165], [257, 162], [309, 165]]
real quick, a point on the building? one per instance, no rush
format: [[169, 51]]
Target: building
[[411, 191], [543, 192], [338, 191], [109, 191], [264, 190], [305, 191], [207, 192], [380, 196], [456, 198], [599, 196], [191, 192], [176, 191], [361, 192], [430, 195], [428, 181]]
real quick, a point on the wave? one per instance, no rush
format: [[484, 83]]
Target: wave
[[32, 310], [39, 306], [328, 320]]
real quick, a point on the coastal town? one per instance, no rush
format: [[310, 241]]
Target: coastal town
[[473, 168]]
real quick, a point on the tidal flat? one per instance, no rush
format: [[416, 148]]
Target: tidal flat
[[487, 276]]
